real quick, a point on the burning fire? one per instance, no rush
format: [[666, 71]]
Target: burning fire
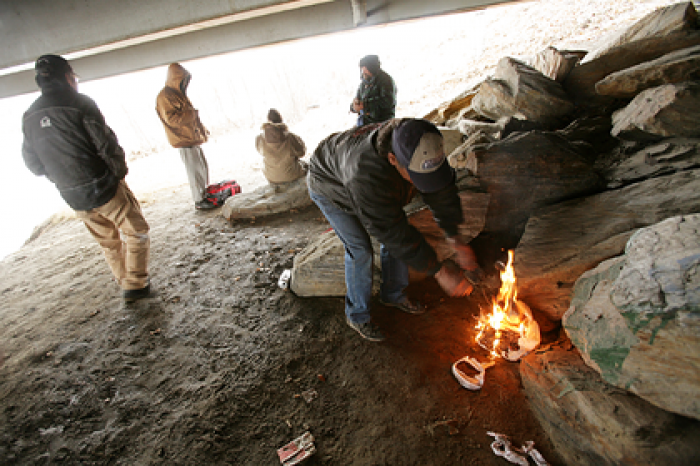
[[509, 318]]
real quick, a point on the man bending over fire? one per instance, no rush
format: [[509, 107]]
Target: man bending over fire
[[361, 179]]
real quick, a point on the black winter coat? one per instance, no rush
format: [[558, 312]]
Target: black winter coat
[[378, 95], [347, 170], [67, 140]]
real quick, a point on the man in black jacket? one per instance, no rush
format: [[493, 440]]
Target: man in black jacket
[[375, 100], [361, 179], [67, 140]]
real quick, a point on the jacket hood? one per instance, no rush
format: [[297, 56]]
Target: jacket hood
[[177, 74], [372, 63], [55, 84], [274, 132]]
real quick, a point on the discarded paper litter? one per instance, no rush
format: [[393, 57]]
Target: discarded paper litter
[[309, 395], [503, 448], [297, 450], [475, 382]]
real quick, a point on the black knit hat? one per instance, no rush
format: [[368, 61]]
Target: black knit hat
[[371, 62], [273, 116], [52, 66], [49, 68]]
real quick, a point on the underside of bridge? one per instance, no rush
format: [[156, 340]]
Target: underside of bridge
[[104, 38]]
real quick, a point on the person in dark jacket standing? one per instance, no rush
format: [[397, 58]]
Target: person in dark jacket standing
[[361, 179], [375, 100], [185, 131], [67, 140]]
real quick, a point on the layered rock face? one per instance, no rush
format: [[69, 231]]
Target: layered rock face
[[636, 318], [595, 424], [628, 391]]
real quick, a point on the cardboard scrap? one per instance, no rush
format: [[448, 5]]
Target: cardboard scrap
[[297, 450]]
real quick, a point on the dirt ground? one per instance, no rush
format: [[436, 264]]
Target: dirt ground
[[214, 367]]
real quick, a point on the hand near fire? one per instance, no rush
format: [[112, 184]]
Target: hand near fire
[[466, 259], [452, 281]]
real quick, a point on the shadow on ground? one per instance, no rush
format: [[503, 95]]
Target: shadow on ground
[[217, 366]]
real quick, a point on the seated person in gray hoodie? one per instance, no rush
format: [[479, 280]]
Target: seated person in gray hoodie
[[281, 151]]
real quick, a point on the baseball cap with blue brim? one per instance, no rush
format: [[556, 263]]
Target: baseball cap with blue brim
[[418, 146]]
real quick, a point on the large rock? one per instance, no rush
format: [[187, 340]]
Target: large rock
[[471, 127], [452, 138], [563, 241], [319, 269], [474, 207], [671, 110], [592, 423], [592, 135], [581, 81], [662, 158], [636, 319], [448, 110], [463, 113], [518, 90], [268, 200], [658, 23], [476, 141], [555, 64], [526, 171], [675, 67], [516, 125]]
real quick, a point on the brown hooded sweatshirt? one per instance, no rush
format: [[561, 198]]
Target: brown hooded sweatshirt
[[281, 151], [179, 117]]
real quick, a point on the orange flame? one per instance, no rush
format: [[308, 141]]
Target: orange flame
[[504, 315]]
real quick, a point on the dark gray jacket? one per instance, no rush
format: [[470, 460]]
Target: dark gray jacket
[[67, 140], [378, 94], [347, 169]]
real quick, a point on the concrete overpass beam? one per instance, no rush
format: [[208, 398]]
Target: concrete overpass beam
[[104, 38]]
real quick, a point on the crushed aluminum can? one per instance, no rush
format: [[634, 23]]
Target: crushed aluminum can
[[283, 282], [297, 450]]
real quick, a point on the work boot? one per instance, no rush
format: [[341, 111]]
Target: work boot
[[131, 296], [406, 305], [368, 330]]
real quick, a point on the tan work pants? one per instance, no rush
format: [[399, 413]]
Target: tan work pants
[[128, 259]]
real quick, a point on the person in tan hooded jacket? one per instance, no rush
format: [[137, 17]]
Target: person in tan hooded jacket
[[281, 150], [185, 131]]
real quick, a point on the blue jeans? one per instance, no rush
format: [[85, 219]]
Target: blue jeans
[[358, 263]]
